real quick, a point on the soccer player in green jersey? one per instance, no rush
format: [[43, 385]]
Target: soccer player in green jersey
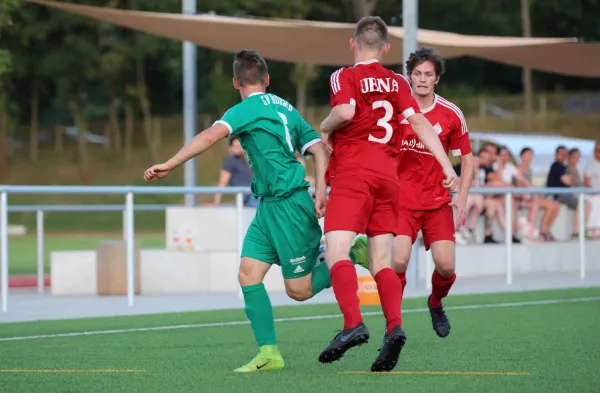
[[285, 230]]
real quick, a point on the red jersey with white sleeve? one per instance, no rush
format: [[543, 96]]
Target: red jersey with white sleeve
[[368, 144], [419, 173]]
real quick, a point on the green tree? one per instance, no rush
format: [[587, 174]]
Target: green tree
[[29, 49], [221, 92], [113, 62], [75, 66], [7, 8]]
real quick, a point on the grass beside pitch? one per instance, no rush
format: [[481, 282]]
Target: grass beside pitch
[[514, 348]]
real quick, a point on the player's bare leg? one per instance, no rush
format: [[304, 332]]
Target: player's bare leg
[[443, 277], [390, 293], [345, 287], [306, 287], [401, 251], [299, 289], [260, 314]]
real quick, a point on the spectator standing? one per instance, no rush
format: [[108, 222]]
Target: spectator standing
[[235, 172]]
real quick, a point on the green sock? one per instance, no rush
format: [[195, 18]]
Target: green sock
[[260, 314], [352, 257], [321, 279]]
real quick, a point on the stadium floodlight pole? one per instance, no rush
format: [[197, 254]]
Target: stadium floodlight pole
[[130, 253], [190, 122], [410, 22], [4, 250], [409, 45]]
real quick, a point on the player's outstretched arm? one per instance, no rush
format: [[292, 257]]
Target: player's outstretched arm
[[427, 135], [340, 116], [196, 146], [320, 157]]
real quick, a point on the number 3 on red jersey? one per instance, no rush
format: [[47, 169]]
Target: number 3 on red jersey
[[345, 89], [384, 121]]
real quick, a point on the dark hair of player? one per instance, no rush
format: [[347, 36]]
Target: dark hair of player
[[371, 33], [249, 68], [422, 55], [573, 151], [525, 150]]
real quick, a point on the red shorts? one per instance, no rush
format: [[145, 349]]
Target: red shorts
[[436, 224], [362, 204]]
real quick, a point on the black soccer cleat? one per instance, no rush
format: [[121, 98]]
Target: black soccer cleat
[[439, 320], [390, 352], [343, 341]]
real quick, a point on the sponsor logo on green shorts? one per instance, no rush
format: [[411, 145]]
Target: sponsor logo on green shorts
[[298, 260]]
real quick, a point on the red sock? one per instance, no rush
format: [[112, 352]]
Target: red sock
[[345, 287], [402, 277], [390, 294], [440, 287]]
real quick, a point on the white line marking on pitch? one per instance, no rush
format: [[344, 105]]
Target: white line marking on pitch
[[293, 319]]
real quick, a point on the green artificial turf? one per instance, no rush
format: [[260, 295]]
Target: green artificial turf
[[551, 347]]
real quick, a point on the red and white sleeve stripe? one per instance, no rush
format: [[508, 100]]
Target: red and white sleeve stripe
[[334, 81], [461, 118]]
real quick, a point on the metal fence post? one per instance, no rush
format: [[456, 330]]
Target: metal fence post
[[4, 249], [239, 209], [124, 214], [509, 235], [130, 248], [40, 250], [581, 236]]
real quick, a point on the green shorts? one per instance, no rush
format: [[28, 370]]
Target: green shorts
[[285, 232]]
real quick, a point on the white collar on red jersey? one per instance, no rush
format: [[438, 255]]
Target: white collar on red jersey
[[430, 107], [367, 62]]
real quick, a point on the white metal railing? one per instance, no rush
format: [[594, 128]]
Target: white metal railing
[[129, 207]]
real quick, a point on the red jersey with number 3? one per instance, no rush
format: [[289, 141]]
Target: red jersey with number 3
[[420, 174], [368, 145]]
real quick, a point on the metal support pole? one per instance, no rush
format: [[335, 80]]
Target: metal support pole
[[239, 209], [189, 105], [581, 236], [124, 225], [40, 250], [410, 22], [4, 249], [130, 248], [508, 236]]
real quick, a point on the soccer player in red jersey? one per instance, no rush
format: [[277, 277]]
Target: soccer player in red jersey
[[367, 103], [425, 204]]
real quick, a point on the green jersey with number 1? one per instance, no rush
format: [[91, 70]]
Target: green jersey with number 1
[[270, 130]]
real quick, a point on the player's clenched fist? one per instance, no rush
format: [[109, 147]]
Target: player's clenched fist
[[320, 204], [451, 180], [156, 172]]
